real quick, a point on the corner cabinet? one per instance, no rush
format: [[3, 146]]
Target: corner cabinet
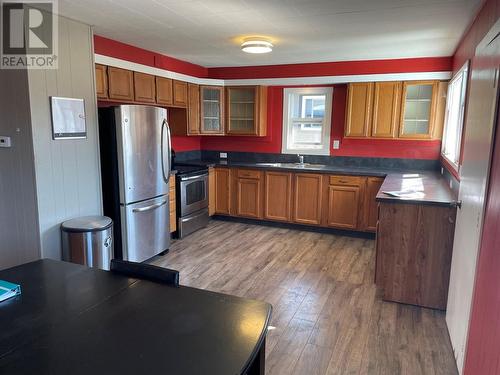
[[246, 110], [212, 110]]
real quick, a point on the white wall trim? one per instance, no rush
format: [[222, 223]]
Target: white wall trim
[[124, 64], [321, 80]]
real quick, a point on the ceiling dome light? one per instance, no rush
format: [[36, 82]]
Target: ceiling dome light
[[257, 46]]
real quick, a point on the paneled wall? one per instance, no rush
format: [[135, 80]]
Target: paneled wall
[[67, 171], [19, 234]]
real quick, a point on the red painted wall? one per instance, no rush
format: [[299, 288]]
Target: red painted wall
[[272, 142], [348, 147], [340, 68], [119, 50]]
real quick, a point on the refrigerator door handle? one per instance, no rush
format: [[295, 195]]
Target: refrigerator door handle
[[165, 157], [149, 208]]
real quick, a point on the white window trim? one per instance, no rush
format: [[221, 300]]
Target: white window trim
[[327, 119], [456, 164]]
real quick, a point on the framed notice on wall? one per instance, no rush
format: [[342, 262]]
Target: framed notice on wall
[[68, 118]]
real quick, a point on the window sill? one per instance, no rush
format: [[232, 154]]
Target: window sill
[[450, 167]]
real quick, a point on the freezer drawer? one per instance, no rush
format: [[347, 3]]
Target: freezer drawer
[[145, 228]]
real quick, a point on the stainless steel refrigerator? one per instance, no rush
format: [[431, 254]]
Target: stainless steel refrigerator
[[135, 152]]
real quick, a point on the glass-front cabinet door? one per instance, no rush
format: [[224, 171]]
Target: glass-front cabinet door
[[212, 109], [241, 115], [418, 109]]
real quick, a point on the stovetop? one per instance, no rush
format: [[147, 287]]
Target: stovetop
[[188, 169]]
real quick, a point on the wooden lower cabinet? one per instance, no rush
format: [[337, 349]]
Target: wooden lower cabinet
[[343, 206], [414, 248], [370, 209], [307, 198], [249, 195], [211, 191], [222, 191], [344, 202], [278, 196], [173, 216]]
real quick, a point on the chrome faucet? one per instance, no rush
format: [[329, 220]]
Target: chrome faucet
[[301, 158]]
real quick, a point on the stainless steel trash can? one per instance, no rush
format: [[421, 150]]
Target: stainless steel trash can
[[88, 240]]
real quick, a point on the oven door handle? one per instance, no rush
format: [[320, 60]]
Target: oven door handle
[[193, 177]]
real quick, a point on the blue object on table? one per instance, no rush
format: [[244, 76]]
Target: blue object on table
[[8, 290]]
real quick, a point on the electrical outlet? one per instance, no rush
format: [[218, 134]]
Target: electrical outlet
[[5, 142], [223, 155], [336, 144]]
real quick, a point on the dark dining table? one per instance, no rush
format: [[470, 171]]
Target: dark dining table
[[71, 319]]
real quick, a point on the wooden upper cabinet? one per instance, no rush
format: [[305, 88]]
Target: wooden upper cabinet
[[180, 93], [120, 84], [222, 191], [144, 88], [370, 209], [101, 81], [246, 110], [193, 127], [307, 198], [359, 109], [418, 109], [249, 193], [164, 91], [211, 110], [278, 196], [386, 109], [344, 198]]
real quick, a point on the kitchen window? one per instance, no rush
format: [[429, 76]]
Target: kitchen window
[[307, 115], [455, 110]]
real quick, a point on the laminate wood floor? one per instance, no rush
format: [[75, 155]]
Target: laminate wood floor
[[328, 316]]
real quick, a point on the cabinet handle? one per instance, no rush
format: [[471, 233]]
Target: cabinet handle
[[343, 181]]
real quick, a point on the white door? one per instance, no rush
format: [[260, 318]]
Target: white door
[[481, 118]]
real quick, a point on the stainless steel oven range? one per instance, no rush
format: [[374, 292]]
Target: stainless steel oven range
[[192, 198]]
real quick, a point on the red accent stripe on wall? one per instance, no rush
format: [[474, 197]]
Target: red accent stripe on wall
[[119, 50], [340, 68]]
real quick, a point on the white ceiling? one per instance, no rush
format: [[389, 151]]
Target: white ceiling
[[208, 32]]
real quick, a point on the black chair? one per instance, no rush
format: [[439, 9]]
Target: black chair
[[145, 272]]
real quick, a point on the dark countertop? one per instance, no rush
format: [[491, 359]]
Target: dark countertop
[[72, 319], [327, 169], [424, 187], [429, 186]]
